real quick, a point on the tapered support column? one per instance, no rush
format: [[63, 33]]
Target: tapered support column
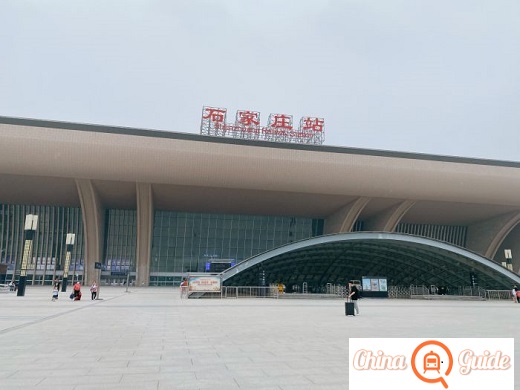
[[145, 213]]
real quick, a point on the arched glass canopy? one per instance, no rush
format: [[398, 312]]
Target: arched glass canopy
[[404, 259]]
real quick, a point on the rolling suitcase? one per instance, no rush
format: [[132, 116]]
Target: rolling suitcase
[[349, 308]]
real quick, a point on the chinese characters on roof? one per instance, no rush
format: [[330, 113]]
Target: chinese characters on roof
[[247, 126]]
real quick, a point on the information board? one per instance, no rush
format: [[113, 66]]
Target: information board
[[374, 286]]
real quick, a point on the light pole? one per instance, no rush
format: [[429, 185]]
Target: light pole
[[509, 259], [70, 243], [31, 223]]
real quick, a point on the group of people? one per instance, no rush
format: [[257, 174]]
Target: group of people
[[76, 290]]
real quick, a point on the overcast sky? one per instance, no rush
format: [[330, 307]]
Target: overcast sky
[[439, 77]]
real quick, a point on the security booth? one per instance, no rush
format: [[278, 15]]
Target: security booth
[[374, 287]]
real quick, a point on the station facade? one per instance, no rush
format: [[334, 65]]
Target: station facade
[[159, 205]]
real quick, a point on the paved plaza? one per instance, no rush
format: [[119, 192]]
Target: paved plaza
[[148, 338]]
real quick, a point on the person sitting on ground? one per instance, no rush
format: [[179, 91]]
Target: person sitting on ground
[[77, 291]]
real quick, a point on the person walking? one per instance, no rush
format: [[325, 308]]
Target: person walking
[[55, 292], [57, 284], [354, 295], [93, 290], [184, 288], [513, 293]]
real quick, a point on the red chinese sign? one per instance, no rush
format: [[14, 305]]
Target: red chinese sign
[[247, 126], [314, 124], [280, 121], [248, 118], [215, 115]]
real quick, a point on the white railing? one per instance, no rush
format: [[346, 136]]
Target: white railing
[[249, 292], [395, 292], [419, 290], [399, 292], [336, 289], [402, 292], [469, 291], [463, 291], [499, 295]]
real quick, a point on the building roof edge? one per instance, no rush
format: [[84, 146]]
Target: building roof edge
[[121, 130]]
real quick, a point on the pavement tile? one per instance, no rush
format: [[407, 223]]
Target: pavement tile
[[84, 379], [273, 381], [146, 385], [162, 376], [148, 338]]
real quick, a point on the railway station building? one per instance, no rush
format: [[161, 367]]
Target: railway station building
[[159, 205]]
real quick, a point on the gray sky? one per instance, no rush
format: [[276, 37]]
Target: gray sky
[[440, 76]]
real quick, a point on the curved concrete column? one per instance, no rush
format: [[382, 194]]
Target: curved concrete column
[[511, 242], [387, 220], [343, 219], [487, 236], [93, 226], [144, 232]]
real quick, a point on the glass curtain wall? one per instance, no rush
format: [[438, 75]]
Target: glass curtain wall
[[120, 245], [49, 247], [452, 234], [186, 242]]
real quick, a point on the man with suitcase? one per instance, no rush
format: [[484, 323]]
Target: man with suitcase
[[354, 296]]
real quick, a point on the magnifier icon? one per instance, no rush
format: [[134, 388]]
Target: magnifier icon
[[432, 362]]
